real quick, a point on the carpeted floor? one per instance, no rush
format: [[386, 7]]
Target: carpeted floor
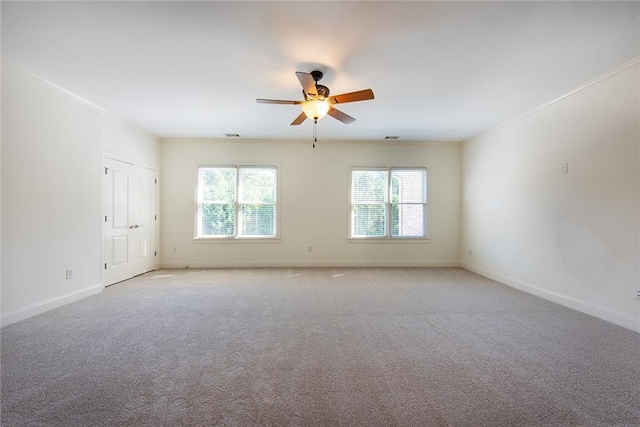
[[307, 347]]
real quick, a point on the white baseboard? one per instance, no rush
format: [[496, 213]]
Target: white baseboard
[[44, 306], [301, 264], [603, 313]]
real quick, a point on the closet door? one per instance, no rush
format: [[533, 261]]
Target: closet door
[[143, 237], [130, 218]]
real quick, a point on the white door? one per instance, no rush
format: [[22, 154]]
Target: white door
[[130, 220]]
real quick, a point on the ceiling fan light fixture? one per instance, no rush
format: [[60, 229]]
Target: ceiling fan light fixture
[[315, 109]]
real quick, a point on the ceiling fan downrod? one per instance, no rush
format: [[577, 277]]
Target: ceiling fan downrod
[[317, 75]]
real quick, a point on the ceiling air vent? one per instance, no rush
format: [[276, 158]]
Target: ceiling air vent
[[232, 135], [391, 137]]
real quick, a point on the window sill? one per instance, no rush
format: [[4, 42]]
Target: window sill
[[414, 240], [236, 240]]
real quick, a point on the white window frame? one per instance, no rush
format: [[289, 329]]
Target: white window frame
[[237, 206], [388, 205]]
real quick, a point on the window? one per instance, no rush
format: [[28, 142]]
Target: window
[[237, 201], [388, 202]]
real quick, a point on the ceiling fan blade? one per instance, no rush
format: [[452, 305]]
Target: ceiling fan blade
[[301, 118], [361, 95], [307, 82], [277, 101], [337, 114]]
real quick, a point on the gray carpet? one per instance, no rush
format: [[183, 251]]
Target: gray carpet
[[325, 347]]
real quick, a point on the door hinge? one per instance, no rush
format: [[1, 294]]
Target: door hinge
[[105, 265], [155, 253], [156, 181], [156, 217], [105, 170], [105, 218]]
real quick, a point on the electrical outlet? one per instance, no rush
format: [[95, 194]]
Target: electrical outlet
[[175, 250], [470, 252], [310, 249], [638, 293], [69, 273]]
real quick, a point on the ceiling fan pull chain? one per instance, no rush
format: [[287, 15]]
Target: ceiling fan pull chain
[[315, 132]]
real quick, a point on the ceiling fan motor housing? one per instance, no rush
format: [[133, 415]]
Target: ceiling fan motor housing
[[323, 93]]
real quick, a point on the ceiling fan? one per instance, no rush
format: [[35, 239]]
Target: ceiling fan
[[317, 102]]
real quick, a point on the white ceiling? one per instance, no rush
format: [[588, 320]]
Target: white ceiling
[[440, 71]]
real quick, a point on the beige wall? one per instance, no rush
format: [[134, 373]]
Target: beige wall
[[572, 238], [125, 140], [51, 191], [314, 204], [52, 154]]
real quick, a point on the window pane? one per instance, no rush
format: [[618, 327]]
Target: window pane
[[369, 186], [257, 220], [257, 185], [407, 220], [236, 201], [217, 219], [369, 220], [408, 186], [217, 184]]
